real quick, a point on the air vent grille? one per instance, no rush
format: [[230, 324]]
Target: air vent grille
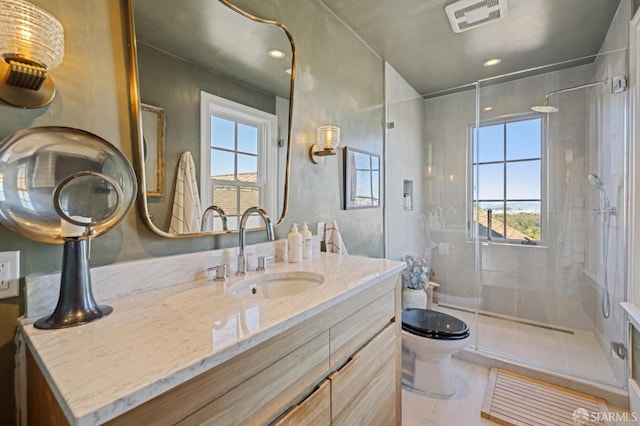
[[467, 14]]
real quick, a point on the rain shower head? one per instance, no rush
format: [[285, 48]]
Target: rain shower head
[[546, 108], [596, 182]]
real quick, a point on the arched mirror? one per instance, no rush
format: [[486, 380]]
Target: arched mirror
[[211, 91]]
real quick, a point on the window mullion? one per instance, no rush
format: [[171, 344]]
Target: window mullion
[[504, 188]]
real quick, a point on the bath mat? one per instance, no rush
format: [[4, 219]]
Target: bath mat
[[512, 399]]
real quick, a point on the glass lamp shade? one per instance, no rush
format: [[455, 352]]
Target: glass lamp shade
[[328, 138], [30, 34]]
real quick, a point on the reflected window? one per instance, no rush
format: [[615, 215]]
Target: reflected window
[[236, 147], [23, 191], [507, 179], [362, 179]]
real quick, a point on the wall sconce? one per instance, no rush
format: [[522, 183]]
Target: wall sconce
[[31, 43], [327, 140]]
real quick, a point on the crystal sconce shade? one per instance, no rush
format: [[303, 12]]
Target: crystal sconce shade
[[327, 140], [31, 43]]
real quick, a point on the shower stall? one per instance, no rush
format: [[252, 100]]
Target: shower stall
[[543, 283], [523, 210]]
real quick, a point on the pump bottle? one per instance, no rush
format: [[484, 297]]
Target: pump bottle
[[307, 246], [294, 240]]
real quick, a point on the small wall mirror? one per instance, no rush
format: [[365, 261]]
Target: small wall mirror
[[361, 179], [214, 83]]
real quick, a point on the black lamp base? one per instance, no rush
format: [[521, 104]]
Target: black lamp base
[[76, 304]]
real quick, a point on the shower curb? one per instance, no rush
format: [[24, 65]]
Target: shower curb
[[617, 397]]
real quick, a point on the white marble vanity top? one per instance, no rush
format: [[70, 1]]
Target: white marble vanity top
[[156, 340]]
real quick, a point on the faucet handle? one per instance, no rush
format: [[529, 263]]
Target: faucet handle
[[221, 272], [263, 263]]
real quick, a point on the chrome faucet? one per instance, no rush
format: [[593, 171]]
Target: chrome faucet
[[242, 261], [210, 210]]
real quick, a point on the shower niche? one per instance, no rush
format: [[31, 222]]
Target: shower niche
[[407, 195]]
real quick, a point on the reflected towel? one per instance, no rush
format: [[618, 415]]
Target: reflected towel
[[186, 215], [333, 239]]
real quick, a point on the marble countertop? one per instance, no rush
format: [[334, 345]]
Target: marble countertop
[[159, 339]]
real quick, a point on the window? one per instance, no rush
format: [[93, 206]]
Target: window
[[237, 142], [509, 173]]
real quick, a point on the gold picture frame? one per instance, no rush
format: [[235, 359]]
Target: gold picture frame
[[153, 136]]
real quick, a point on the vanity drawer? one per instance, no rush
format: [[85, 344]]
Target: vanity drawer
[[264, 396], [313, 411], [178, 403], [353, 332], [366, 383]]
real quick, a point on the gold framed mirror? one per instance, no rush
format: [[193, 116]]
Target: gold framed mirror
[[224, 80]]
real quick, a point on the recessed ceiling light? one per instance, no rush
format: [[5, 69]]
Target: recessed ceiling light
[[276, 53], [488, 108], [492, 62]]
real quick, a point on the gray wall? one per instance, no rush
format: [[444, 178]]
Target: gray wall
[[339, 82], [406, 160]]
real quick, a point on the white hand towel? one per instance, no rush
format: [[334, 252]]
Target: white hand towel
[[186, 215], [333, 239]]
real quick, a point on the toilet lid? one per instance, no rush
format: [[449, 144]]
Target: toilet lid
[[434, 325]]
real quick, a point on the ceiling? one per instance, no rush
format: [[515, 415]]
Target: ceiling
[[213, 37], [415, 37]]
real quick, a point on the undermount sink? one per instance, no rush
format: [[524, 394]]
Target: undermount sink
[[272, 285]]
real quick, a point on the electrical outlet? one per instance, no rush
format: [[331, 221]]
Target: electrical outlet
[[9, 274]]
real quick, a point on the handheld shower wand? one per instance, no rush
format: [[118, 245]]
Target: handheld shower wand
[[605, 206], [607, 211]]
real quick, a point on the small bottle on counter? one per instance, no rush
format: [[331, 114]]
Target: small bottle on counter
[[294, 242], [307, 245]]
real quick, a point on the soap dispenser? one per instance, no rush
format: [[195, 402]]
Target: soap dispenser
[[294, 240], [307, 244]]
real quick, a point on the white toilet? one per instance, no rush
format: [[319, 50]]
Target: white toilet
[[429, 338]]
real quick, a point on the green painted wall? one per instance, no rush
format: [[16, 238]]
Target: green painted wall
[[339, 82]]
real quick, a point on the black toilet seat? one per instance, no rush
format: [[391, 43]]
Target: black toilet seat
[[433, 325]]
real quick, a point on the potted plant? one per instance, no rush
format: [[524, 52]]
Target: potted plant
[[414, 280]]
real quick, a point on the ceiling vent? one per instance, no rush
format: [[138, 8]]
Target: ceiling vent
[[468, 14]]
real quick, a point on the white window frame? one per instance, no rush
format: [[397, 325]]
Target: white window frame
[[267, 124], [471, 190]]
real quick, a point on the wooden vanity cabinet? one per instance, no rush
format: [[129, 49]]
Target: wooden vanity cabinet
[[363, 391], [338, 367], [315, 410]]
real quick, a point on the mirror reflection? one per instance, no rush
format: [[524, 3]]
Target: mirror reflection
[[87, 198], [46, 171], [362, 179], [216, 87]]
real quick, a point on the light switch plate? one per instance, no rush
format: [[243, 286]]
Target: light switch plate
[[9, 274]]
